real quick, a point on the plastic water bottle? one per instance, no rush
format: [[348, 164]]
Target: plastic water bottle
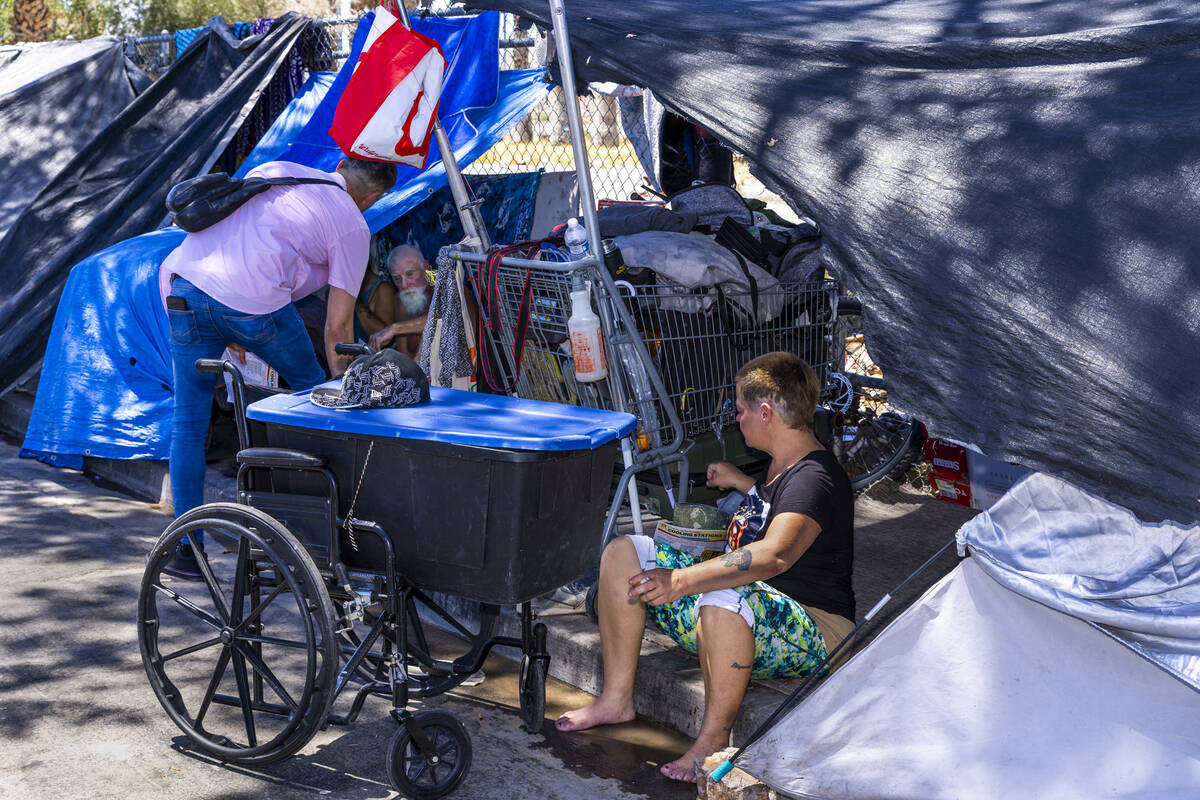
[[587, 349], [576, 240]]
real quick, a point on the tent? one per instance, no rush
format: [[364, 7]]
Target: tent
[[115, 186], [1062, 660], [1008, 185], [54, 97], [105, 387]]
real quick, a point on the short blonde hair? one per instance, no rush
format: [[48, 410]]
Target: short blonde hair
[[785, 382]]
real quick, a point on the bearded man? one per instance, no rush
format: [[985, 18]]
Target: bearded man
[[407, 268]]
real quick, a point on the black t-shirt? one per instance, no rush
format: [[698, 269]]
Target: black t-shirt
[[817, 487]]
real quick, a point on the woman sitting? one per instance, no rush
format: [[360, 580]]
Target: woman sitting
[[775, 603]]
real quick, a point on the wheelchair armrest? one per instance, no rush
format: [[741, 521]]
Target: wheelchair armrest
[[276, 457]]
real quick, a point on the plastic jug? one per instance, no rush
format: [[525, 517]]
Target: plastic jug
[[587, 349]]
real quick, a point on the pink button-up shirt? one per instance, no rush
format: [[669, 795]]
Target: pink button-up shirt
[[280, 246]]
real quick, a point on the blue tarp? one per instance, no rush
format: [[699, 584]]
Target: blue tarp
[[185, 37], [105, 388]]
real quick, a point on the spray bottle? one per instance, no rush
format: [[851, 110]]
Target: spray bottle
[[587, 348]]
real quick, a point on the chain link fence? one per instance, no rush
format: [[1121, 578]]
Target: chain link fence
[[541, 141]]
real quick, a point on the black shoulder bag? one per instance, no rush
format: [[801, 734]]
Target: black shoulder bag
[[202, 202]]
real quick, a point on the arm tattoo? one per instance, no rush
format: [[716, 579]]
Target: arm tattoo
[[736, 665], [738, 558]]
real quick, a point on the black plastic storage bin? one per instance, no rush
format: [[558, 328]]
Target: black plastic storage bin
[[495, 524]]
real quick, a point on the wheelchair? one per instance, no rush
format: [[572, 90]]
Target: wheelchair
[[305, 598]]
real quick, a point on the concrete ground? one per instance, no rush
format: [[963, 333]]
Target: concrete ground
[[78, 718], [77, 715]]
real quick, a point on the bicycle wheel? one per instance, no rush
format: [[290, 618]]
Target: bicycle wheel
[[871, 448], [870, 438]]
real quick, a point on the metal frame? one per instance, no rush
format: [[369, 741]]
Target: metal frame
[[621, 330], [390, 589]]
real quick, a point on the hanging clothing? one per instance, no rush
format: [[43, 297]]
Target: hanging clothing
[[446, 325]]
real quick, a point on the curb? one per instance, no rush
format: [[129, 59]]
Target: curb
[[670, 687], [145, 479]]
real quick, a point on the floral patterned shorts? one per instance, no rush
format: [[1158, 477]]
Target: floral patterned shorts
[[787, 643]]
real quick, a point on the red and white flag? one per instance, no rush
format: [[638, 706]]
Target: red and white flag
[[389, 106]]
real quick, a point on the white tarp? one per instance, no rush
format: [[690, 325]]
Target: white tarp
[[978, 692], [1074, 552]]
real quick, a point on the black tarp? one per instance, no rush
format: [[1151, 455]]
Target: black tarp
[[54, 97], [114, 187], [1013, 188]]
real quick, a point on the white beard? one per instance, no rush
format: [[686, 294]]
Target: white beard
[[414, 301]]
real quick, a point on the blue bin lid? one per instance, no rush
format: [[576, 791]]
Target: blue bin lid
[[458, 417]]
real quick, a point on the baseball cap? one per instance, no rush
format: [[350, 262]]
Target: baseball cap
[[386, 379]]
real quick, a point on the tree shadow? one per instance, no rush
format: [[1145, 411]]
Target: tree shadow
[[1006, 185]]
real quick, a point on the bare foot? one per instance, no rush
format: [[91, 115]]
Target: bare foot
[[600, 711], [684, 767]]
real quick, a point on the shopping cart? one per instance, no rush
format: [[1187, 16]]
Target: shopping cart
[[672, 351]]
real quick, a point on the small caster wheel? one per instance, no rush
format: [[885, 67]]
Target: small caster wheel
[[533, 693], [416, 776]]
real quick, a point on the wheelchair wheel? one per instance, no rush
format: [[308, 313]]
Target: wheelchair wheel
[[531, 685], [244, 661], [421, 778], [532, 693]]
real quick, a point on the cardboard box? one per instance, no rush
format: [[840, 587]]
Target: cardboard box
[[952, 491], [965, 476], [948, 475], [991, 478]]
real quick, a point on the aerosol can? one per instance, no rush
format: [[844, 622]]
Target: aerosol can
[[587, 349]]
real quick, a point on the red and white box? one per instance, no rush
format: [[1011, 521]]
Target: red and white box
[[948, 473], [963, 475]]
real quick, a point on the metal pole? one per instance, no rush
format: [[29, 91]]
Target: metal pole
[[566, 71], [635, 507], [344, 12]]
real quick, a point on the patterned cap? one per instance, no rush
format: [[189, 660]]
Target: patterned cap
[[386, 379]]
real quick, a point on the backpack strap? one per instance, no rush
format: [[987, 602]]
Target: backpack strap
[[289, 181]]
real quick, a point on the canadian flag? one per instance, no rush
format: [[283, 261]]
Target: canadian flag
[[389, 106]]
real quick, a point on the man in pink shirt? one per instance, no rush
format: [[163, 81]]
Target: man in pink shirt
[[235, 283]]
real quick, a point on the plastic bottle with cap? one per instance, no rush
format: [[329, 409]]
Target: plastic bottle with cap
[[587, 349], [576, 240]]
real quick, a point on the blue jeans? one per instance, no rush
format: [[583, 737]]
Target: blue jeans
[[203, 331]]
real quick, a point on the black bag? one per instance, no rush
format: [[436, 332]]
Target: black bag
[[623, 219], [202, 202]]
